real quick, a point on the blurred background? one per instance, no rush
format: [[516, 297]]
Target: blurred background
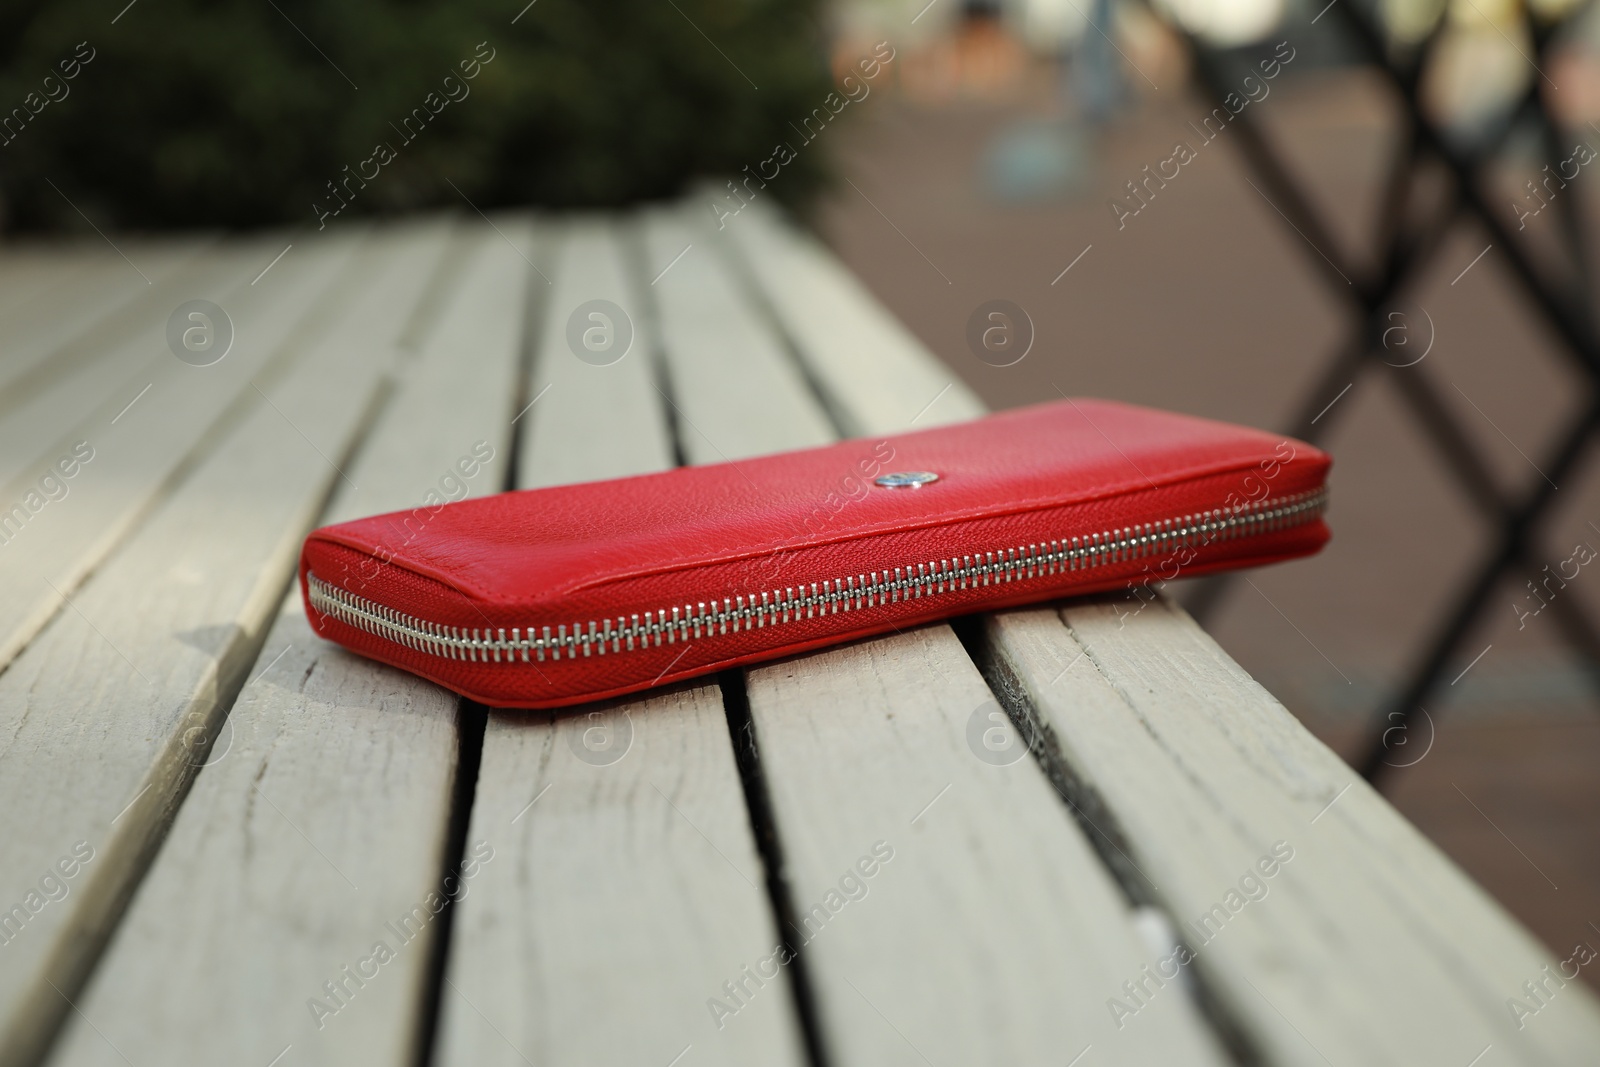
[[1363, 222]]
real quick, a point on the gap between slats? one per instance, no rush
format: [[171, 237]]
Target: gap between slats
[[1100, 825], [473, 720], [747, 755], [785, 912], [1084, 805], [133, 849], [17, 634], [129, 852]]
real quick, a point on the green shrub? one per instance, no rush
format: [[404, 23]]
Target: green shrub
[[242, 112]]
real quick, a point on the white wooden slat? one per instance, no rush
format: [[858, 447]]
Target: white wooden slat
[[1205, 772], [722, 354], [139, 437], [28, 270], [53, 290], [993, 900], [109, 362], [863, 357], [91, 303], [1370, 946], [25, 269], [626, 887], [98, 714], [239, 910], [595, 419]]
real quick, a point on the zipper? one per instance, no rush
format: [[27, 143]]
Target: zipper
[[790, 604]]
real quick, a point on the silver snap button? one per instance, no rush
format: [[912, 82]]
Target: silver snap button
[[906, 479]]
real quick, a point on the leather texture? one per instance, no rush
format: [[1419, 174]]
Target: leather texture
[[698, 569]]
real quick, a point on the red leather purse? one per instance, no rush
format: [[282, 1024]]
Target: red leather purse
[[548, 597]]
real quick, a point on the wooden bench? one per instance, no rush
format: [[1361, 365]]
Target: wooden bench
[[230, 842]]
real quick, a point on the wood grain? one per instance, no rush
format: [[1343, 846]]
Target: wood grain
[[994, 930], [952, 904], [1358, 955], [863, 357], [138, 450], [1369, 946], [722, 357], [626, 888], [595, 419], [99, 712], [358, 757]]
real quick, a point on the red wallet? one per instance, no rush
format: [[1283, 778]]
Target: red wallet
[[546, 597]]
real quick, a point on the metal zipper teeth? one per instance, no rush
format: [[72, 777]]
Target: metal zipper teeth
[[713, 618]]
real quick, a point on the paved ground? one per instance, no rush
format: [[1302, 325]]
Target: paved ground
[[1207, 302]]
